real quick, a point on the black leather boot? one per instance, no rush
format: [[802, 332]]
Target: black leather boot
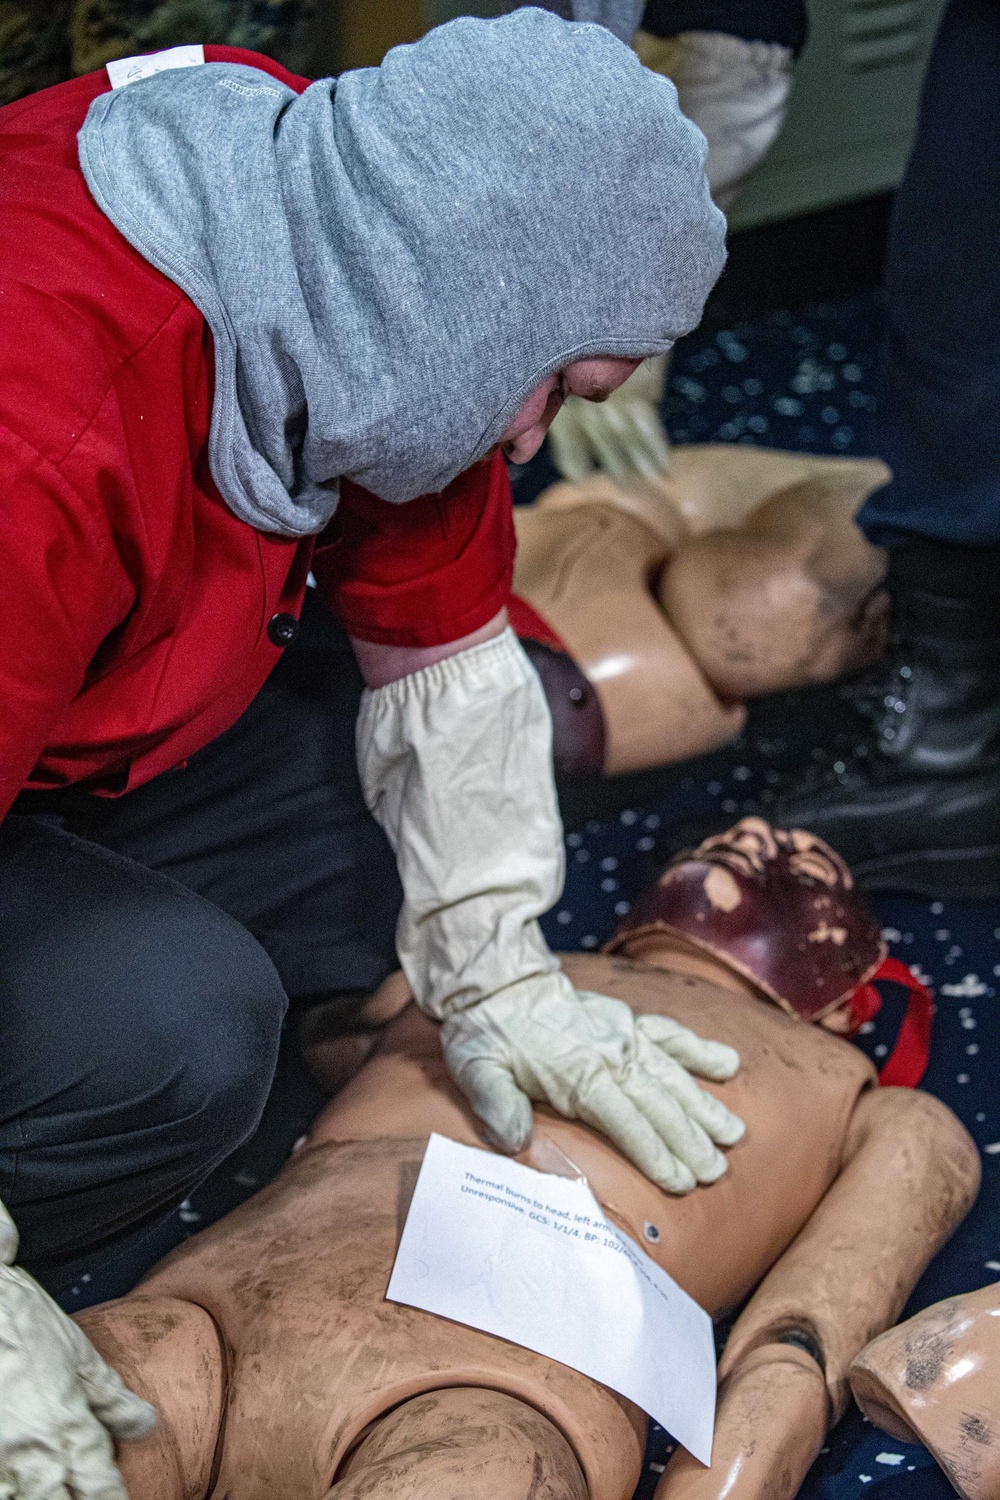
[[916, 805]]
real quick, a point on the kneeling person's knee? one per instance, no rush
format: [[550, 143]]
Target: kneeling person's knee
[[141, 1028], [212, 1021]]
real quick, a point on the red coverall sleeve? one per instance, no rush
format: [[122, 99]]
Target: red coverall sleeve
[[60, 595], [424, 573]]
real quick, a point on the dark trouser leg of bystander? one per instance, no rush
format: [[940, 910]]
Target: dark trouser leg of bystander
[[919, 806]]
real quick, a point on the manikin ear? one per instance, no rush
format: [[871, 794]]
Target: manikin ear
[[337, 1037], [392, 996], [840, 1021]]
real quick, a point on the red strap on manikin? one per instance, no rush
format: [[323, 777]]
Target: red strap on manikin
[[525, 621], [907, 1062]]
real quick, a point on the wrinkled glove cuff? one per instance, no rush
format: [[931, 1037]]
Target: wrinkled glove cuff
[[456, 765]]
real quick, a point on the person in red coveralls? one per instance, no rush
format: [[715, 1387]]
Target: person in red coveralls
[[253, 327]]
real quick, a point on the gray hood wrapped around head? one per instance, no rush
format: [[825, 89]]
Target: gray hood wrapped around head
[[392, 261]]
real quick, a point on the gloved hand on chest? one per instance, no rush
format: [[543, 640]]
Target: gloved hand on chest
[[456, 765]]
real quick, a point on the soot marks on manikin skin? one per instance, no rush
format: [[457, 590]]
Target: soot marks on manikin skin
[[535, 1489], [927, 1354], [977, 1430]]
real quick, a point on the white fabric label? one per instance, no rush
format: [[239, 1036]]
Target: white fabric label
[[531, 1258], [128, 69]]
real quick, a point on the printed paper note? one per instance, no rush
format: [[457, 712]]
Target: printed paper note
[[532, 1258]]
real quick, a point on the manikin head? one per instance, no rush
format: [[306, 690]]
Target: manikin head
[[775, 907], [769, 913]]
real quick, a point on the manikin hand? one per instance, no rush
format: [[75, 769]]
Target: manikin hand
[[455, 762], [60, 1404]]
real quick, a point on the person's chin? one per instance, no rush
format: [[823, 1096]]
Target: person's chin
[[517, 452]]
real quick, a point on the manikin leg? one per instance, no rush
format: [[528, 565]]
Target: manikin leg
[[933, 1380], [910, 1174], [462, 1444]]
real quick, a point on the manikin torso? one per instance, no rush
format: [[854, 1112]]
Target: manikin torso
[[738, 573], [298, 1351]]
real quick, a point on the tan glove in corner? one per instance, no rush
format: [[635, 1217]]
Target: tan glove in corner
[[456, 765], [735, 91], [60, 1404]]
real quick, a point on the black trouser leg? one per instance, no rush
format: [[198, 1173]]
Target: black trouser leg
[[937, 423], [139, 1032]]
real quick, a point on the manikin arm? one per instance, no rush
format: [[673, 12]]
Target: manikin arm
[[910, 1175]]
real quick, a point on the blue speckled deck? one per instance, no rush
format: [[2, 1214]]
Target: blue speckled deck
[[801, 381]]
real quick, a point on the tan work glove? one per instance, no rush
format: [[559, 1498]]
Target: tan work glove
[[456, 765], [60, 1404]]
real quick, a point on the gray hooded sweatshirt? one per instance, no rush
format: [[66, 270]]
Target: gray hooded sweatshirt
[[620, 16], [391, 262]]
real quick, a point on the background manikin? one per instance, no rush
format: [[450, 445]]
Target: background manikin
[[673, 600]]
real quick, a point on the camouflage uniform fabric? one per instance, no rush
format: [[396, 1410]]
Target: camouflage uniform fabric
[[44, 43]]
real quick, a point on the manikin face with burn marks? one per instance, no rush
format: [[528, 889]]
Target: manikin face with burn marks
[[779, 906], [752, 846]]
